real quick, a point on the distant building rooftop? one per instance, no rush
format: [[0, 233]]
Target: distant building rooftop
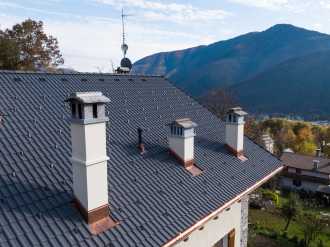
[[306, 162]]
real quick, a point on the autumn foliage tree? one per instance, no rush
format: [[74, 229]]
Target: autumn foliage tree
[[301, 137], [27, 47]]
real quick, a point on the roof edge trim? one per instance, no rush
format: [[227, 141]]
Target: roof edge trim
[[198, 224], [307, 170]]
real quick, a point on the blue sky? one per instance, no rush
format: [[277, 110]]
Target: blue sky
[[89, 31]]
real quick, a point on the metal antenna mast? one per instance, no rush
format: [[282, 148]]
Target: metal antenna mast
[[124, 46]]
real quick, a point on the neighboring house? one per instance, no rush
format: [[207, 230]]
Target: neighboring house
[[309, 173], [267, 142], [143, 165]]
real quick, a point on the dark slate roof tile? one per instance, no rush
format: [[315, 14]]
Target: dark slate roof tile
[[151, 196]]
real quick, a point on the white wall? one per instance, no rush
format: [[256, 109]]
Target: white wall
[[182, 146], [88, 141], [214, 230], [89, 161], [235, 136]]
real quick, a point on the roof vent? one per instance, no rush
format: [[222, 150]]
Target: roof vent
[[2, 119], [140, 140]]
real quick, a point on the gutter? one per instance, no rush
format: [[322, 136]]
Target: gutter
[[203, 221]]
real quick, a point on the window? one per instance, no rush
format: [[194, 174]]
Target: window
[[231, 238], [229, 117], [80, 111], [73, 109], [234, 120], [296, 182], [94, 110], [227, 241], [180, 132]]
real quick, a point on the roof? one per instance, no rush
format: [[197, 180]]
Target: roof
[[88, 97], [185, 123], [152, 196], [305, 162]]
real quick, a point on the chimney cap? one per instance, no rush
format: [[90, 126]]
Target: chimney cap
[[238, 111], [88, 97], [185, 123]]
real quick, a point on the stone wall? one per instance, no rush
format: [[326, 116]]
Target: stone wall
[[244, 220]]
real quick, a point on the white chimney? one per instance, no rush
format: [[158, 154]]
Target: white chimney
[[89, 157], [234, 135], [181, 140]]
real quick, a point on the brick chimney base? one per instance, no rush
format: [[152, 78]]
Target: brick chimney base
[[234, 152], [98, 219], [188, 165], [181, 161]]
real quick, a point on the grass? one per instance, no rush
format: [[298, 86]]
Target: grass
[[269, 226]]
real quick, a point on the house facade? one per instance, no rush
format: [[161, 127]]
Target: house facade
[[309, 173], [121, 160]]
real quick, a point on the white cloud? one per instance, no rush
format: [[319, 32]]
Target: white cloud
[[267, 4], [91, 42], [325, 4], [295, 6], [174, 12]]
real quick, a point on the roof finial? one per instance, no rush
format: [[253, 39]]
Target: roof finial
[[124, 46], [125, 63]]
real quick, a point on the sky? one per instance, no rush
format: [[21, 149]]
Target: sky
[[90, 36]]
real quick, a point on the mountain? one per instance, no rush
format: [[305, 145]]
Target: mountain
[[226, 63], [300, 85]]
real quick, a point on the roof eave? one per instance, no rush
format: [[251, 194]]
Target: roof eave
[[200, 223]]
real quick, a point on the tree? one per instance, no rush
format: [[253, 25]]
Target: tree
[[305, 140], [312, 227], [274, 125], [9, 52], [285, 138], [219, 101], [27, 47], [305, 147], [252, 130], [291, 209]]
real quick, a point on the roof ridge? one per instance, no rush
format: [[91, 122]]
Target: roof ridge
[[74, 73], [305, 155]]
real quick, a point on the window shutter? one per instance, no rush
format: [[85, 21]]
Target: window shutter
[[231, 238]]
